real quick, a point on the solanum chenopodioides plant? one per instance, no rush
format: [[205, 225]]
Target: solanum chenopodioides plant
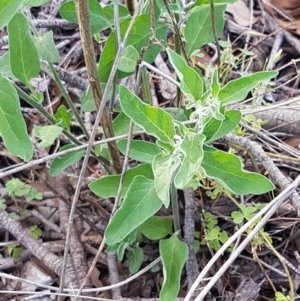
[[182, 155]]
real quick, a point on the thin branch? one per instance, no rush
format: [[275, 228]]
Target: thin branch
[[82, 11], [189, 231], [105, 97]]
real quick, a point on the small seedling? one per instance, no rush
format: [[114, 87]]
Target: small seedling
[[246, 213], [14, 250], [36, 232], [16, 188], [215, 236]]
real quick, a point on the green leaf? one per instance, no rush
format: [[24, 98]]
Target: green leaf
[[223, 237], [121, 250], [140, 150], [248, 211], [192, 149], [24, 58], [63, 117], [216, 129], [129, 59], [112, 248], [156, 227], [98, 20], [36, 232], [164, 167], [87, 98], [121, 125], [108, 12], [87, 101], [177, 114], [15, 187], [59, 164], [135, 257], [47, 134], [140, 202], [153, 120], [213, 234], [138, 38], [198, 31], [14, 250], [237, 90], [5, 68], [107, 186], [131, 237], [226, 169], [35, 3], [12, 126], [215, 85], [8, 8], [174, 254], [46, 47], [191, 83], [207, 2], [237, 217]]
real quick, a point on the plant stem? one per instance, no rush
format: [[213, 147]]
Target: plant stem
[[68, 100], [213, 23], [82, 11]]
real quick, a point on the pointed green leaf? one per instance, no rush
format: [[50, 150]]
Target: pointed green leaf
[[24, 58], [135, 257], [226, 169], [7, 10], [215, 85], [164, 167], [174, 254], [156, 227], [237, 90], [141, 201], [216, 129], [198, 31], [153, 120], [47, 134], [191, 82], [12, 125], [192, 148], [107, 186], [140, 150], [129, 59], [98, 20], [46, 47], [58, 165], [63, 117]]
